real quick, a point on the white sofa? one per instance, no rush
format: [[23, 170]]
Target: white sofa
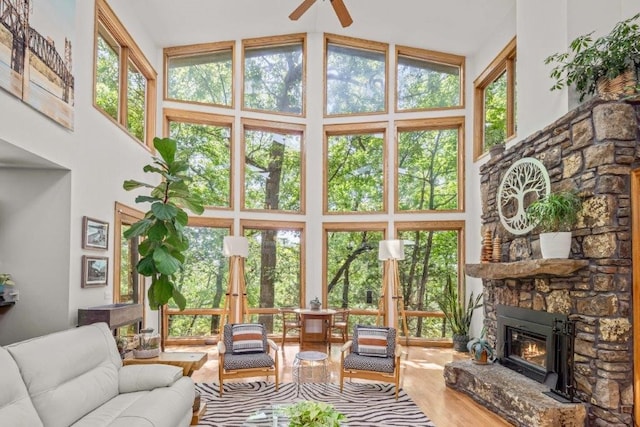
[[76, 378]]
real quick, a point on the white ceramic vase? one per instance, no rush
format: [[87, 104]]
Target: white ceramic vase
[[555, 245]]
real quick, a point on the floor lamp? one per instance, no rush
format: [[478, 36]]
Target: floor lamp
[[236, 248], [391, 301]]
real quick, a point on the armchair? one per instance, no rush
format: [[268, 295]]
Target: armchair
[[244, 352], [340, 323], [372, 354], [290, 321]]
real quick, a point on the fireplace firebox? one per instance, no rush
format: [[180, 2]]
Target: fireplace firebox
[[538, 345]]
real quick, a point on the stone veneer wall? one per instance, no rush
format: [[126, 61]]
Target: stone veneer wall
[[591, 149]]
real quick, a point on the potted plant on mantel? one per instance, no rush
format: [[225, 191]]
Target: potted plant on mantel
[[555, 215], [458, 315], [604, 64]]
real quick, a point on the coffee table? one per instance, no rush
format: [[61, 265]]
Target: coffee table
[[273, 416]]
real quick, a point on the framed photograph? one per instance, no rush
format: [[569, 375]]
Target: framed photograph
[[95, 233], [95, 270]]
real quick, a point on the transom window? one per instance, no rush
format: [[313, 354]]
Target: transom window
[[429, 164], [200, 73], [355, 76], [427, 79], [125, 82], [273, 166], [274, 71], [494, 103], [206, 140], [355, 168]]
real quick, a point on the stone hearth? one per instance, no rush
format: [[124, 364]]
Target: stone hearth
[[516, 398], [592, 149]]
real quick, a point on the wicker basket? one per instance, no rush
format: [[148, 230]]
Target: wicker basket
[[625, 83]]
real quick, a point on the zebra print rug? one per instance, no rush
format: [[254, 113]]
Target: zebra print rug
[[364, 404]]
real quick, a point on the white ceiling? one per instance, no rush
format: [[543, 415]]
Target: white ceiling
[[455, 26]]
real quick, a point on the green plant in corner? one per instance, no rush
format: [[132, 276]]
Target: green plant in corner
[[458, 314], [556, 211], [588, 60], [313, 414], [162, 227]]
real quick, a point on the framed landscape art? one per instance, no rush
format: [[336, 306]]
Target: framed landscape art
[[95, 234], [95, 271]]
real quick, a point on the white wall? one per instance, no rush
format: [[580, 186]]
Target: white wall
[[41, 211]]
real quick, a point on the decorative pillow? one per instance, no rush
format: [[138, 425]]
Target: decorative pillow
[[247, 338], [372, 341]]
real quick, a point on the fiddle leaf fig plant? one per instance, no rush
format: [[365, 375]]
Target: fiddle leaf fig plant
[[162, 227]]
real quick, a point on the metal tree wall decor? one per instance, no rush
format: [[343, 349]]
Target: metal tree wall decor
[[524, 182]]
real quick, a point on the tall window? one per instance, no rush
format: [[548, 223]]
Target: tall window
[[273, 166], [206, 140], [274, 73], [125, 82], [203, 282], [427, 79], [355, 76], [128, 285], [494, 102], [353, 272], [430, 164], [274, 268], [433, 259], [355, 168], [200, 73]]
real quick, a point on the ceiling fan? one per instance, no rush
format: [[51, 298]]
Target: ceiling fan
[[338, 7]]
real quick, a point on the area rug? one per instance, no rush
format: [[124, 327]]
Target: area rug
[[364, 404]]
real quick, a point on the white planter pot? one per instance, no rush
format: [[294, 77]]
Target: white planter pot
[[555, 245]]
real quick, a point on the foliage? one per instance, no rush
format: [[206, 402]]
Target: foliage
[[313, 414], [5, 279], [163, 225], [495, 112], [455, 312], [590, 59], [477, 345], [556, 211]]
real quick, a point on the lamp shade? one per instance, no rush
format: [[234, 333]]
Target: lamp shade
[[391, 249], [235, 246]]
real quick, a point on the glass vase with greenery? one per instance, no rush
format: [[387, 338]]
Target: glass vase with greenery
[[590, 59]]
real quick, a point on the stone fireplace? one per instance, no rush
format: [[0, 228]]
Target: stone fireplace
[[592, 149]]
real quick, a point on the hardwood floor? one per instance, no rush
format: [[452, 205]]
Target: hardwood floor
[[421, 378]]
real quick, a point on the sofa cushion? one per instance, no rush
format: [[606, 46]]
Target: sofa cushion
[[16, 409], [147, 377], [161, 407], [70, 373]]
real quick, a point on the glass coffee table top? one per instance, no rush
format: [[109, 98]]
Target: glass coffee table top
[[273, 416]]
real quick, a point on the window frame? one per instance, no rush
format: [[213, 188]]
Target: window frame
[[354, 43], [200, 118], [198, 49], [353, 129], [430, 56], [275, 127], [504, 62], [433, 124], [168, 311], [106, 19], [274, 41], [455, 225]]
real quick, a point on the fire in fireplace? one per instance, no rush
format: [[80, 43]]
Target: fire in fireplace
[[539, 345]]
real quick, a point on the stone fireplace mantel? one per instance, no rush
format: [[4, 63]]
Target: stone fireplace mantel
[[526, 268]]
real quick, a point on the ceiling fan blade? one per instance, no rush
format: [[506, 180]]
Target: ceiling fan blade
[[342, 12], [300, 10]]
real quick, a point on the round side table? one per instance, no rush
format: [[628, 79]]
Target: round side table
[[311, 367]]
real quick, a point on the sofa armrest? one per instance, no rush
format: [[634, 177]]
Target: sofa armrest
[[147, 377]]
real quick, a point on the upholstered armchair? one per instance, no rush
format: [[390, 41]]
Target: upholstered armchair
[[244, 352], [372, 354]]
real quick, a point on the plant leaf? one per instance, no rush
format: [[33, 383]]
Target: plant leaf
[[165, 262]]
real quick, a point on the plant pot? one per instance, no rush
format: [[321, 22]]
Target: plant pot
[[146, 353], [460, 343], [624, 83], [481, 357], [555, 245]]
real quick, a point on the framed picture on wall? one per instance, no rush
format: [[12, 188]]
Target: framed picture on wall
[[95, 271], [95, 233]]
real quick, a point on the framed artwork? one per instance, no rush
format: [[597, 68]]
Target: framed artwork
[[95, 271], [95, 233]]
